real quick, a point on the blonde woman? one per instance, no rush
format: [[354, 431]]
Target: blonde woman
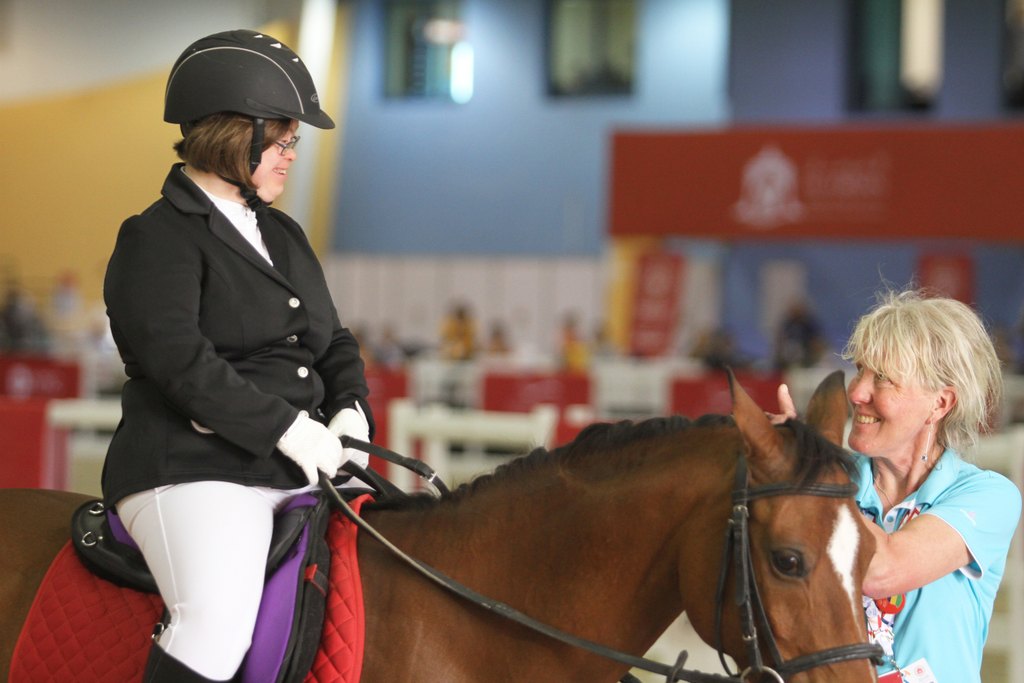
[[927, 382]]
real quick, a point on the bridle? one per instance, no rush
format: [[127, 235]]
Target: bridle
[[748, 599], [737, 544]]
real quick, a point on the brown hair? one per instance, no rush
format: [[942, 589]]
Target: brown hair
[[219, 144]]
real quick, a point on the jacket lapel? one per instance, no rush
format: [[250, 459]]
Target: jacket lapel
[[188, 198], [276, 243], [221, 227]]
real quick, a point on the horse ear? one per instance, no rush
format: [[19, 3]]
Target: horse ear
[[764, 444], [829, 408]]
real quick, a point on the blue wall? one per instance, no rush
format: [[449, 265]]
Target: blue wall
[[843, 278], [787, 64], [787, 60], [512, 172]]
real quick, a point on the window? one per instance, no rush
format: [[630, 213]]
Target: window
[[590, 45], [897, 54], [427, 52]]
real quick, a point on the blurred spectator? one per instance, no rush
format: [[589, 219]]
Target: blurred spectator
[[69, 320], [362, 335], [21, 328], [388, 351], [98, 351], [575, 351], [716, 350], [497, 341], [458, 334], [602, 345], [1002, 341], [1018, 346], [799, 342]]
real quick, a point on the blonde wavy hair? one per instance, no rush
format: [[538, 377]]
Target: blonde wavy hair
[[933, 342]]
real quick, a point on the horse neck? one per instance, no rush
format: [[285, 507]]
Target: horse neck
[[604, 551]]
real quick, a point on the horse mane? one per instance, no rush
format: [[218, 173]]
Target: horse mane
[[814, 455], [592, 441]]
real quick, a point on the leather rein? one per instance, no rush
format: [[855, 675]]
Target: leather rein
[[737, 545]]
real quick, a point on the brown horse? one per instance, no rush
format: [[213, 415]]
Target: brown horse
[[608, 538]]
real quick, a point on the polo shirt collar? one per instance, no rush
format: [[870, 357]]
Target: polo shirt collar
[[941, 477]]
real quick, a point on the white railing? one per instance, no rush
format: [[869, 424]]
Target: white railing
[[435, 426], [1004, 453], [84, 413], [438, 427]]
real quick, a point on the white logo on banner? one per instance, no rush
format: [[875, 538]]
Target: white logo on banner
[[769, 193]]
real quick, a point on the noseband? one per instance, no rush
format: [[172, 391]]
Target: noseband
[[747, 597]]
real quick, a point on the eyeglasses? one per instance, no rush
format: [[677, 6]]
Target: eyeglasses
[[283, 147]]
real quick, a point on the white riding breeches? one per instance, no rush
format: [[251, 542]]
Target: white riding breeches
[[206, 544]]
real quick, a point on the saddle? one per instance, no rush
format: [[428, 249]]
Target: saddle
[[106, 548], [291, 614]]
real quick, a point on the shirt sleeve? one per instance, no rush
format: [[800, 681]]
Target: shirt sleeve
[[984, 508]]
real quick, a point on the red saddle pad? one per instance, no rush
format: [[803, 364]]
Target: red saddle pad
[[82, 628]]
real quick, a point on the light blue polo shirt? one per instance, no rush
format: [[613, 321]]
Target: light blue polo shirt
[[946, 621]]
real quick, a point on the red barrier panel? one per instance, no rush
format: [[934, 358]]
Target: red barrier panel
[[709, 394], [24, 376], [385, 384], [34, 456], [519, 392]]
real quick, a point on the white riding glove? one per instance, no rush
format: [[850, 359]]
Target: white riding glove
[[352, 422], [313, 447]]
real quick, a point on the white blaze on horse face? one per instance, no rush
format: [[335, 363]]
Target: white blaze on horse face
[[842, 550]]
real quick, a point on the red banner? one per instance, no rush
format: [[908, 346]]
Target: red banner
[[659, 278], [853, 182], [948, 274], [24, 376]]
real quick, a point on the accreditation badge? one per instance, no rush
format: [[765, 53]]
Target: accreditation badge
[[918, 672]]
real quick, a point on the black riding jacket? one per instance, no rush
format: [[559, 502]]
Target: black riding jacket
[[222, 350]]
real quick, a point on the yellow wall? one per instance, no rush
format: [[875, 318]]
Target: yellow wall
[[78, 164]]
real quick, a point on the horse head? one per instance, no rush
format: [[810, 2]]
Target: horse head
[[808, 554]]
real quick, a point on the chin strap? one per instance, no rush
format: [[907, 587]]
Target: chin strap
[[255, 157], [252, 199], [256, 146]]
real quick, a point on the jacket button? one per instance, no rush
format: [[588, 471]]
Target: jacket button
[[293, 302], [292, 338], [303, 372]]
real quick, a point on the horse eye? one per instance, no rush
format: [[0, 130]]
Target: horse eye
[[788, 562]]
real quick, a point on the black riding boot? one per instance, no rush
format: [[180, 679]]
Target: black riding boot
[[163, 668]]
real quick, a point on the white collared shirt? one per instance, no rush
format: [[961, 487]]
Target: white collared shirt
[[244, 220]]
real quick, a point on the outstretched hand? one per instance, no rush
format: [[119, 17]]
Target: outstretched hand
[[786, 407]]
